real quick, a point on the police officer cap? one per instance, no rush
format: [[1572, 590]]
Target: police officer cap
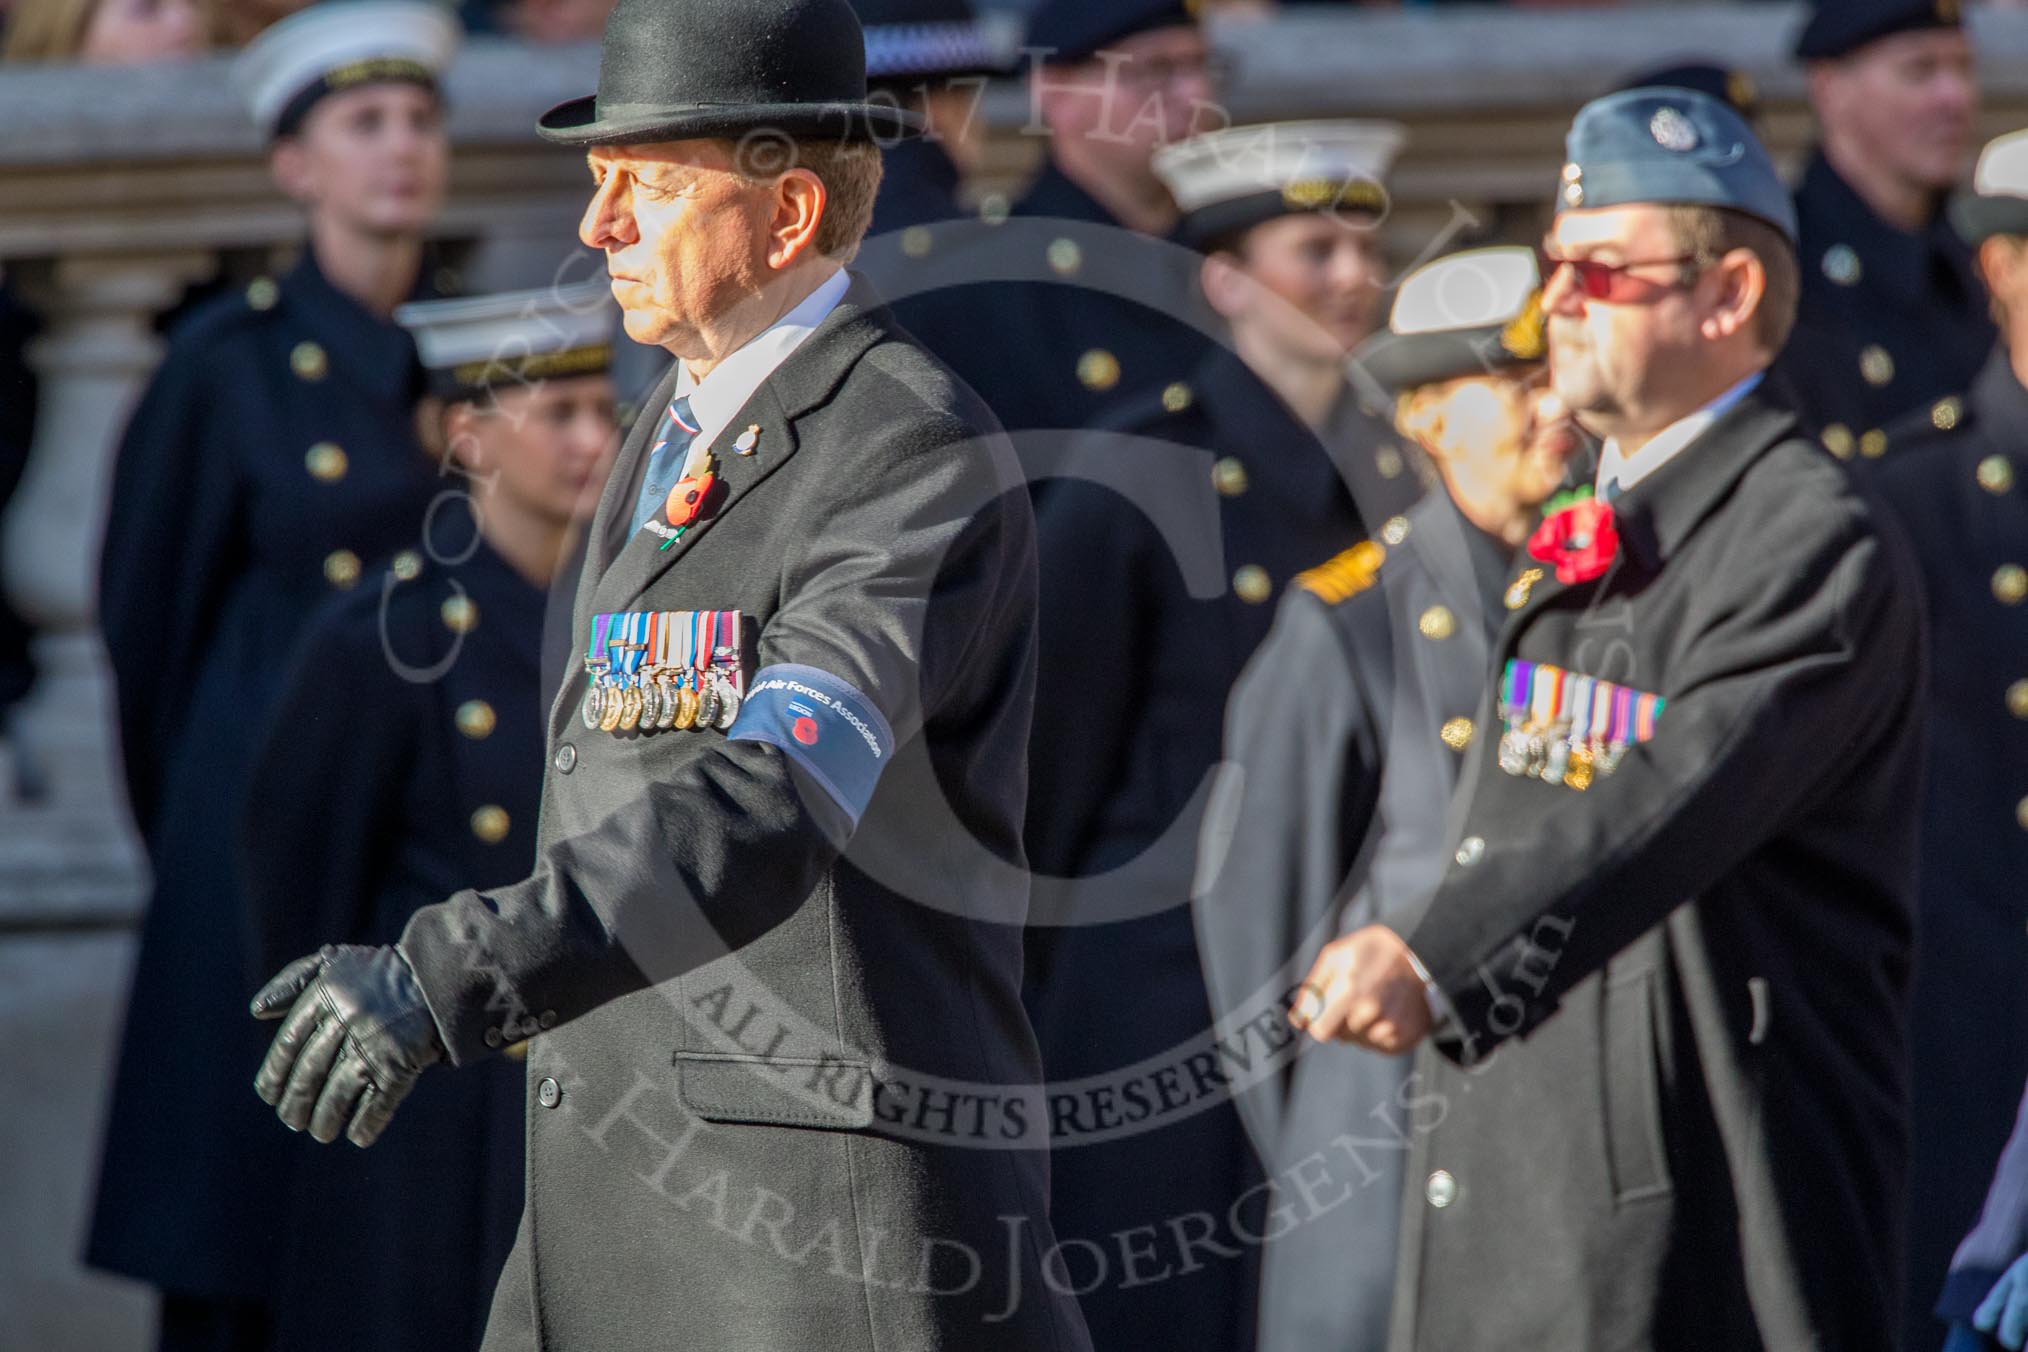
[[1839, 27], [1232, 180], [1736, 87], [1670, 147], [1064, 31], [339, 45], [1467, 314], [1998, 201], [469, 346], [922, 38]]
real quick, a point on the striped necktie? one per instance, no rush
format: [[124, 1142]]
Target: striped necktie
[[673, 436]]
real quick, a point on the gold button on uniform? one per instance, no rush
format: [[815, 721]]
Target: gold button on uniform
[[1395, 531], [341, 568], [407, 565], [1838, 440], [308, 361], [1065, 258], [1098, 369], [1996, 474], [1177, 397], [1437, 623], [1842, 265], [916, 241], [1228, 476], [1873, 445], [1944, 414], [1252, 585], [326, 461], [2017, 699], [1876, 364], [476, 719], [262, 293], [1388, 461], [2010, 584], [490, 824], [460, 614], [1457, 733]]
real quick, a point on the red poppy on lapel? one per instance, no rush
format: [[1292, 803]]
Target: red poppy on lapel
[[691, 499], [1581, 540]]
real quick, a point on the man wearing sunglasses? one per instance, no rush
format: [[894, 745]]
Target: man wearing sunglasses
[[1666, 969]]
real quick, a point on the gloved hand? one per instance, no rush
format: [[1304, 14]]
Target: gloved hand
[[2004, 1311], [356, 1038]]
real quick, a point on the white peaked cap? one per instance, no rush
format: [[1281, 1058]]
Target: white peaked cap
[[292, 55]]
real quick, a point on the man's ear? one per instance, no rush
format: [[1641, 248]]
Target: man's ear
[[460, 422], [289, 165], [800, 203], [1999, 264], [1227, 284], [1742, 288]]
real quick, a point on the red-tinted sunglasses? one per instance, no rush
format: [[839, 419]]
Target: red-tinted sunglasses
[[1610, 282]]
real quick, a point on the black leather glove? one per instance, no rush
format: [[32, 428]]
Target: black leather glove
[[356, 1038]]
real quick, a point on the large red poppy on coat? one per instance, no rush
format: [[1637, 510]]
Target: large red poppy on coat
[[1581, 541]]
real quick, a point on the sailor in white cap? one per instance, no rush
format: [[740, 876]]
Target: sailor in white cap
[[1345, 737], [271, 461], [419, 700]]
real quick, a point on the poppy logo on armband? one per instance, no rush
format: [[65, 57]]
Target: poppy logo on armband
[[804, 730]]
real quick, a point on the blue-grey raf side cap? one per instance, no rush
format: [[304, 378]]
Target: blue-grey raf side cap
[[1671, 147]]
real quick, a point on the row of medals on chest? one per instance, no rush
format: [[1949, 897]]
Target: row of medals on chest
[[662, 698]]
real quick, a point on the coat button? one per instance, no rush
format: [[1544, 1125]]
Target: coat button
[[1457, 733], [2010, 584], [476, 719], [1228, 476], [1177, 397], [326, 462], [916, 241], [549, 1093], [1995, 474], [407, 565], [1252, 585], [1838, 440], [1470, 851], [1437, 623], [1065, 258], [262, 293], [460, 614], [1098, 370], [1441, 1190], [490, 824], [547, 1020], [1873, 445], [1876, 366], [1395, 531], [341, 568], [565, 759], [494, 1037], [307, 360], [2021, 813]]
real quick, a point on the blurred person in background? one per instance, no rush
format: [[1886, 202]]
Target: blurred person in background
[[106, 32], [1261, 455], [1109, 85], [551, 21], [1343, 741], [932, 57], [271, 459], [1958, 479], [1893, 317], [418, 699]]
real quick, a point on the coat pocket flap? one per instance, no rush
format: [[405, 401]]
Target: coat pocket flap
[[833, 1092]]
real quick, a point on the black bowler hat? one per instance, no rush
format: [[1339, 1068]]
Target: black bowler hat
[[675, 70], [1840, 27], [1065, 31]]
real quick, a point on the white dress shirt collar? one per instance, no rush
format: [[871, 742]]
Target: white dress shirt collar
[[719, 397], [1628, 470]]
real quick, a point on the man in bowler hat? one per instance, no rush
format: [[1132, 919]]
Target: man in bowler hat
[[768, 962], [1668, 962]]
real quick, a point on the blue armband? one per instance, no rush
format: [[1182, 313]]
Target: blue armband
[[831, 731]]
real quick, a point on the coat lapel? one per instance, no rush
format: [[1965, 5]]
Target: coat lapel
[[804, 381]]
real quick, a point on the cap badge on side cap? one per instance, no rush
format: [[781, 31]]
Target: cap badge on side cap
[[1673, 131]]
